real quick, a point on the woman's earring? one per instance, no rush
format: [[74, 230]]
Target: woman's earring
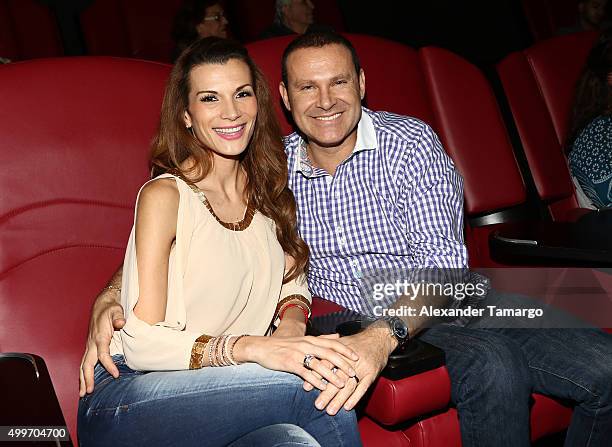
[[190, 129]]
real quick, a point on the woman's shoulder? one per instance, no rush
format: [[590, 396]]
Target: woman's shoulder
[[159, 195], [600, 125], [160, 188]]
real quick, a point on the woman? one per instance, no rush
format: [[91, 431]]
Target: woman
[[213, 259], [590, 140], [197, 19]]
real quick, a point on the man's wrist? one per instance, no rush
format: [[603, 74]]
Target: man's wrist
[[380, 330]]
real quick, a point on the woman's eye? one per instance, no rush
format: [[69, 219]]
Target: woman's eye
[[244, 94], [208, 98]]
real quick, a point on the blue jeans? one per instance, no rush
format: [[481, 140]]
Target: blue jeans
[[493, 372], [244, 405]]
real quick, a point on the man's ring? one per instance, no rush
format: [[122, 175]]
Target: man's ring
[[334, 369], [307, 359]]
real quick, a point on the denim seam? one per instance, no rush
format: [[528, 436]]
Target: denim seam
[[336, 431], [594, 421], [580, 386], [463, 415], [564, 378]]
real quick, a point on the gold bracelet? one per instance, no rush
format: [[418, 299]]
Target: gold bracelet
[[197, 352]]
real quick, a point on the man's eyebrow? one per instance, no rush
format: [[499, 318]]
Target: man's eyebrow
[[341, 76], [332, 79]]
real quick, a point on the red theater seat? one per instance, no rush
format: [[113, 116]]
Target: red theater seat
[[75, 136], [539, 83], [455, 99], [28, 30], [130, 28]]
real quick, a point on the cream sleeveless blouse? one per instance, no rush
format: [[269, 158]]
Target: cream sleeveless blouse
[[220, 281]]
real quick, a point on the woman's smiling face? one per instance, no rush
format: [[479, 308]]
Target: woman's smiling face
[[222, 106]]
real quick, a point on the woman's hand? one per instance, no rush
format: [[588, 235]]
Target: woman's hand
[[288, 353]]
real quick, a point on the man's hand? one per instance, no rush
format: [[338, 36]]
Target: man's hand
[[106, 317], [373, 345]]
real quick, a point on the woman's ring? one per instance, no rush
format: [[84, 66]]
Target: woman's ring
[[307, 359]]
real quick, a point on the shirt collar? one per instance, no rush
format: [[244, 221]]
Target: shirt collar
[[366, 140]]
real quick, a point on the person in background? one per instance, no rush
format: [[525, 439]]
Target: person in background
[[292, 17], [589, 143], [591, 17], [213, 262], [196, 19]]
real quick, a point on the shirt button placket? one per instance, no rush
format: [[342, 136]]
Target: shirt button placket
[[357, 274]]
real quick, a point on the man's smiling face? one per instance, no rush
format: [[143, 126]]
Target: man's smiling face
[[324, 94]]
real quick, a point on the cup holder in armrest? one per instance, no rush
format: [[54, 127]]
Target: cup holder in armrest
[[414, 358]]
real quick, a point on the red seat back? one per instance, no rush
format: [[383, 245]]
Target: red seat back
[[130, 28], [539, 83], [473, 132], [28, 30], [75, 135], [251, 18]]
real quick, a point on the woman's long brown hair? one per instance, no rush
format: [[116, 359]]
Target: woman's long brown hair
[[264, 160], [593, 93]]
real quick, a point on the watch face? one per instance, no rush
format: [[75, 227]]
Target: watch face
[[400, 329]]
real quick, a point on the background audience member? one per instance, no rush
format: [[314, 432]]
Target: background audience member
[[292, 17], [591, 17], [589, 144], [195, 19]]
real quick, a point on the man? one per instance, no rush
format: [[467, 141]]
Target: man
[[292, 17], [591, 17], [376, 190]]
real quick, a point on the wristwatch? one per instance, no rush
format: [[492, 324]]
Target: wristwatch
[[399, 330]]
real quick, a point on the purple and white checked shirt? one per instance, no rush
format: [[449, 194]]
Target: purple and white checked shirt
[[395, 202]]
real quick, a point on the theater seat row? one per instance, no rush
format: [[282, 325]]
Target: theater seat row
[[142, 28], [28, 30], [70, 176]]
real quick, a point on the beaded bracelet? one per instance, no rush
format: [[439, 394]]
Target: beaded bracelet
[[230, 355], [292, 298], [219, 350]]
